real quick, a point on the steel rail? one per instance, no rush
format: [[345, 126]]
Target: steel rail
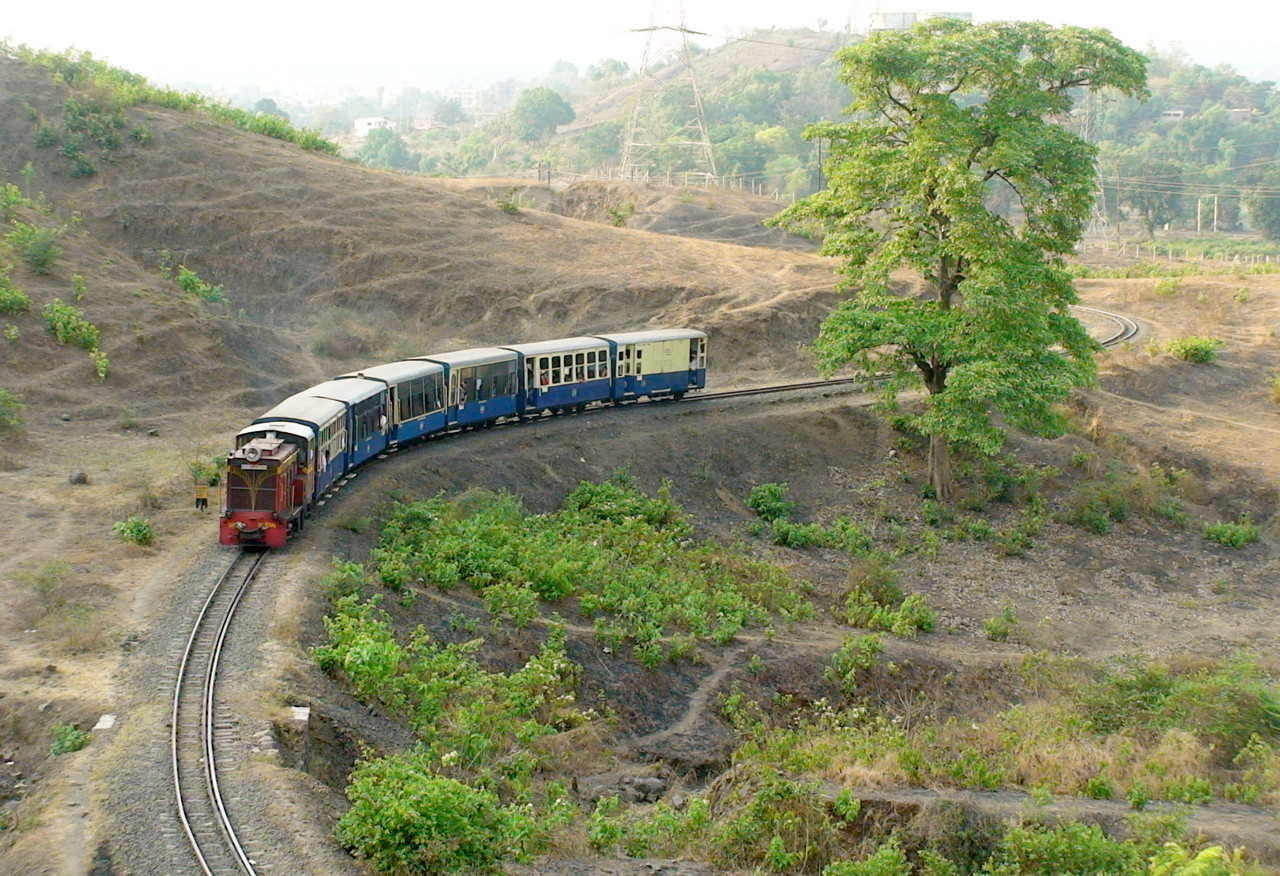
[[212, 625]]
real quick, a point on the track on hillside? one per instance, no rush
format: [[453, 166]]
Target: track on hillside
[[193, 731], [200, 804]]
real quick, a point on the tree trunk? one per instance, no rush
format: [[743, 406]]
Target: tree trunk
[[940, 468]]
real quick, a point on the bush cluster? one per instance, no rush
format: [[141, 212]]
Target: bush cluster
[[1234, 535], [12, 299], [876, 600], [36, 245], [69, 325], [855, 657], [466, 797], [771, 503], [135, 530], [190, 281], [1153, 493], [1198, 350], [10, 410], [626, 557], [67, 738]]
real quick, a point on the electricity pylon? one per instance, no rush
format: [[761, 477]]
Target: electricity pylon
[[642, 138]]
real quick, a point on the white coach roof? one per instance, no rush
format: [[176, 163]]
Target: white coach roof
[[560, 345], [349, 390], [473, 356], [655, 335], [303, 407], [397, 372]]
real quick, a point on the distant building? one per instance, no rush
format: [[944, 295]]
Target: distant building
[[362, 126], [1173, 115], [905, 20], [1241, 113]]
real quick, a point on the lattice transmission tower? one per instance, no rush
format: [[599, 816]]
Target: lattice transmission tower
[[647, 133]]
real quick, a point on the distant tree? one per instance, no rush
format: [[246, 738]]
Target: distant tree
[[940, 112], [1263, 206], [386, 149], [564, 68], [609, 68], [599, 143], [1148, 187], [269, 107], [538, 111], [450, 112]]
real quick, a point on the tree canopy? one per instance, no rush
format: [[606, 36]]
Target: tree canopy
[[944, 117], [538, 111]]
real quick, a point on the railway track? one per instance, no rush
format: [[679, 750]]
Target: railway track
[[194, 728], [194, 732], [1127, 328]]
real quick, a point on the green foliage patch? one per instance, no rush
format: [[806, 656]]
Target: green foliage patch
[[135, 530], [190, 281], [1233, 535], [10, 410], [67, 738], [12, 299], [69, 325], [625, 559], [36, 245], [876, 600], [1194, 349]]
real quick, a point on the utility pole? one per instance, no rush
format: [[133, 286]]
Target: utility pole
[[642, 142], [1198, 215], [1215, 214]]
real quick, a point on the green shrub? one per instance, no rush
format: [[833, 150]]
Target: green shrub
[[799, 535], [11, 333], [1199, 350], [140, 135], [10, 410], [1098, 788], [770, 501], [405, 819], [11, 198], [190, 281], [1070, 849], [876, 601], [35, 245], [135, 530], [47, 137], [619, 215], [79, 287], [1233, 535], [69, 325], [101, 364], [887, 860], [1168, 287], [627, 558], [856, 656], [510, 602], [999, 628], [12, 299], [68, 738]]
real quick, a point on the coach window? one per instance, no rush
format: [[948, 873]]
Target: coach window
[[591, 365], [555, 369]]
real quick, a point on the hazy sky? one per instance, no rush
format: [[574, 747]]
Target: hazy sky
[[286, 44]]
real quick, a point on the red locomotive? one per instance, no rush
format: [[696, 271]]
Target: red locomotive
[[266, 492]]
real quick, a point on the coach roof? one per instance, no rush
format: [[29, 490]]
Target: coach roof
[[303, 408], [396, 372], [655, 335], [560, 345], [349, 390], [473, 356]]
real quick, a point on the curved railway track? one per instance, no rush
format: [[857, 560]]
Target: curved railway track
[[193, 741], [193, 731]]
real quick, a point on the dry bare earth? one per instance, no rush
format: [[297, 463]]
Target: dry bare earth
[[720, 215]]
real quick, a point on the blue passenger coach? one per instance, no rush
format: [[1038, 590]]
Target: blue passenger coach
[[661, 362], [483, 383], [563, 374], [367, 403], [417, 390]]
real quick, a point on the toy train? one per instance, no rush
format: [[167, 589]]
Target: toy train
[[294, 453]]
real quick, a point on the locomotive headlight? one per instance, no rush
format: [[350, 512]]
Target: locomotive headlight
[[253, 454]]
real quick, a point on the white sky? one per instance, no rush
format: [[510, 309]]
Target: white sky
[[294, 47]]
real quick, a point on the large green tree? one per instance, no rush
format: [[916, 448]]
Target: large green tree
[[943, 114], [538, 111], [1263, 205]]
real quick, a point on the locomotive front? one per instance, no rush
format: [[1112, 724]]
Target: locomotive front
[[265, 492]]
